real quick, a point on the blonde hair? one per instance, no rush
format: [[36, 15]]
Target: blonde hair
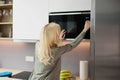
[[48, 38]]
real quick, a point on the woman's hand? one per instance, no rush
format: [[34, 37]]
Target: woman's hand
[[62, 35], [86, 26]]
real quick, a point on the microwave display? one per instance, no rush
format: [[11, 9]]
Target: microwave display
[[72, 23]]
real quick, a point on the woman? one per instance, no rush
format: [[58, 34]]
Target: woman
[[49, 51]]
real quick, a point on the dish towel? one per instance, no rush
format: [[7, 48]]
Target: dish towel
[[6, 74]]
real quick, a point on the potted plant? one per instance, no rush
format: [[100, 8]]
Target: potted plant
[[2, 1]]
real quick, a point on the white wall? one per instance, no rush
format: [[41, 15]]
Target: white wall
[[71, 59], [12, 55]]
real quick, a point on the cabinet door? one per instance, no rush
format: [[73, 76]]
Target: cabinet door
[[29, 16], [69, 5]]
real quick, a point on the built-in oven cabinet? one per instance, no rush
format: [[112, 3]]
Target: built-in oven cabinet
[[29, 16], [69, 5]]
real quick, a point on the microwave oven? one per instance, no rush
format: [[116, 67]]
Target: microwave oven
[[72, 22]]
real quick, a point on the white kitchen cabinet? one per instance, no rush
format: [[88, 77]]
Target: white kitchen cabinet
[[29, 16], [69, 5]]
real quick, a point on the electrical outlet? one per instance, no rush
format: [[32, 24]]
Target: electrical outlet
[[29, 58]]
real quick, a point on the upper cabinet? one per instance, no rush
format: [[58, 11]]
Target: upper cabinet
[[6, 28], [29, 16], [69, 5]]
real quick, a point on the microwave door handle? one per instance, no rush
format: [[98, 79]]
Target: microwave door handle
[[68, 13]]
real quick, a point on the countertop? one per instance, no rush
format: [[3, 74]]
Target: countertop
[[15, 72], [14, 75], [78, 78]]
